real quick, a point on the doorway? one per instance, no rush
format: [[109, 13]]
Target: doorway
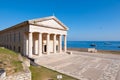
[[45, 48]]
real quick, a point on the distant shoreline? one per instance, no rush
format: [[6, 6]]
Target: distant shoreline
[[100, 45], [99, 51]]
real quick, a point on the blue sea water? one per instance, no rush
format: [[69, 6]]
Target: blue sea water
[[100, 45]]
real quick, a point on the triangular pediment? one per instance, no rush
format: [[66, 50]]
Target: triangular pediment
[[51, 22]]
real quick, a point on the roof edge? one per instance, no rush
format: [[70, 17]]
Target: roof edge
[[33, 21], [15, 26]]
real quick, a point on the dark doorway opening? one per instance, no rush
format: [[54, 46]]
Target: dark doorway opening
[[45, 48], [57, 48]]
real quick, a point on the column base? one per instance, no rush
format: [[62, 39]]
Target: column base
[[30, 56], [40, 54]]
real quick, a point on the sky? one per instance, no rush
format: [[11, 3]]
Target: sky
[[87, 20]]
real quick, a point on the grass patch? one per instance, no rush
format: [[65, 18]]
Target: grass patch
[[9, 61], [42, 73]]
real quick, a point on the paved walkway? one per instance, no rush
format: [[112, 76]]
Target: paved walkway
[[84, 66]]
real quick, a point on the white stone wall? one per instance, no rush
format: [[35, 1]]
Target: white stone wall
[[13, 38]]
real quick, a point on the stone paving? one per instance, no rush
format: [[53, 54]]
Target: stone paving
[[84, 66]]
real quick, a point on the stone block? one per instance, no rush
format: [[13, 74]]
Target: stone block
[[27, 62], [92, 50], [2, 74], [69, 52]]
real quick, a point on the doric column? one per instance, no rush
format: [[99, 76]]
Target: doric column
[[65, 43], [48, 39], [35, 46], [24, 44], [54, 43], [60, 43], [35, 43], [27, 45], [30, 42], [25, 48], [40, 44]]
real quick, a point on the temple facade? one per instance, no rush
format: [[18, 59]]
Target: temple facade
[[43, 36]]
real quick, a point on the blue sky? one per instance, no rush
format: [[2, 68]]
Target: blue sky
[[87, 19]]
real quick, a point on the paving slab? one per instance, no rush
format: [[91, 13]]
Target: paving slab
[[84, 66]]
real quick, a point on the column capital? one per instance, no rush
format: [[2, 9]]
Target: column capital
[[39, 32], [60, 34], [65, 35], [48, 33], [54, 34], [30, 32]]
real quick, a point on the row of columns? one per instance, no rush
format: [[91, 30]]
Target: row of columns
[[29, 43]]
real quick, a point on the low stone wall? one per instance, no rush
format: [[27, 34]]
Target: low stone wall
[[78, 49], [92, 50], [19, 76]]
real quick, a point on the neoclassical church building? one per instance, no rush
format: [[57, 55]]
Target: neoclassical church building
[[37, 37]]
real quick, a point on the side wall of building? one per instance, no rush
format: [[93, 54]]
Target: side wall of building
[[12, 38]]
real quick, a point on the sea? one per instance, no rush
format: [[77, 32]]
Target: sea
[[99, 45]]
